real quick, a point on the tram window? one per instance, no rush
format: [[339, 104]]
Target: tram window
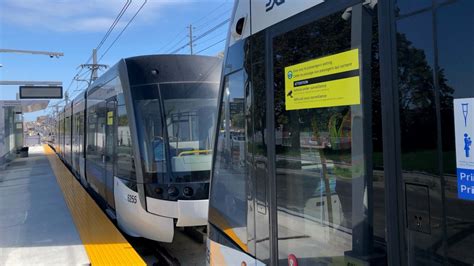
[[150, 128], [190, 115], [228, 208], [125, 167]]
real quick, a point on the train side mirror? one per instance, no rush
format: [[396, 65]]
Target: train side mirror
[[158, 149]]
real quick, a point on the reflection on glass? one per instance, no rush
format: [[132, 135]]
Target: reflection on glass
[[229, 206], [455, 72], [419, 140], [189, 112], [125, 167], [185, 113], [408, 6], [322, 188]]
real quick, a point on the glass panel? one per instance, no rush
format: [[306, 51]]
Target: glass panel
[[228, 208], [190, 114], [150, 132], [408, 6], [125, 167], [456, 52], [258, 148], [322, 191], [67, 139], [419, 139], [178, 120], [95, 149]]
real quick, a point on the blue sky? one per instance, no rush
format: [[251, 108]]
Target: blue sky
[[76, 27]]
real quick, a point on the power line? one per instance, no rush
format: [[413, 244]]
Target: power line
[[112, 27], [107, 34], [214, 18], [176, 44], [124, 28], [167, 45], [210, 46], [212, 29], [172, 45], [210, 12], [212, 38]]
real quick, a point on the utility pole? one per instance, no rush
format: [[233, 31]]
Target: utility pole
[[94, 74], [66, 97], [94, 67], [191, 38]]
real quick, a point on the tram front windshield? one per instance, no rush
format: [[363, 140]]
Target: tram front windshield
[[175, 131]]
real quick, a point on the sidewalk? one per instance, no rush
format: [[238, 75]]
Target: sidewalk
[[36, 227]]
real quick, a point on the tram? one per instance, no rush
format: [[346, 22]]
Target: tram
[[139, 138], [344, 134]]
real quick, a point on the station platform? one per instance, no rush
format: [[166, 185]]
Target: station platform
[[47, 218]]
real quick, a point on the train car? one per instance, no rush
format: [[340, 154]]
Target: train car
[[277, 198], [344, 135], [142, 141]]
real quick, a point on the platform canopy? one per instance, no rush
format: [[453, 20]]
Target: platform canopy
[[27, 106]]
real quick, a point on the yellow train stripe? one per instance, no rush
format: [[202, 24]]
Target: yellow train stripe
[[104, 243], [222, 223]]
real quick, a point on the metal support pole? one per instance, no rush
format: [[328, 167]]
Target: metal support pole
[[191, 38], [50, 54]]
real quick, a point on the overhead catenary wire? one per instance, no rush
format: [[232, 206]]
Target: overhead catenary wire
[[210, 46], [112, 27], [210, 20], [103, 40], [173, 46], [170, 42], [124, 28], [210, 12], [178, 43], [209, 31], [212, 29]]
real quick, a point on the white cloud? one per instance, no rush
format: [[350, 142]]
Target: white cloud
[[75, 15]]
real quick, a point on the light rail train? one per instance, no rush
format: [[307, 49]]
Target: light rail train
[[343, 135], [139, 138], [282, 189]]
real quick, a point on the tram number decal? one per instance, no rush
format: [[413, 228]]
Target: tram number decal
[[132, 198], [271, 3]]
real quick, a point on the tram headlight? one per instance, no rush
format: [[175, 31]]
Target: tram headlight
[[158, 190], [188, 192], [173, 191]]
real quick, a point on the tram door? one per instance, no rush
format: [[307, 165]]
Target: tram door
[[109, 156], [322, 111]]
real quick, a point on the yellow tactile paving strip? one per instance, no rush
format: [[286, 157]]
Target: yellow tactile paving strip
[[104, 244]]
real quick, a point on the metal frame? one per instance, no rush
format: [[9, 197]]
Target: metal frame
[[127, 95], [394, 193]]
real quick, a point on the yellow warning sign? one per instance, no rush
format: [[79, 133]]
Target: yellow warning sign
[[110, 118], [324, 82]]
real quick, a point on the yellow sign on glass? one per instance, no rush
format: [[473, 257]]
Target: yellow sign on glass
[[110, 118], [324, 82]]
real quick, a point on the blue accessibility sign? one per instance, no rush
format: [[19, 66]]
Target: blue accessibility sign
[[465, 183], [464, 130]]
